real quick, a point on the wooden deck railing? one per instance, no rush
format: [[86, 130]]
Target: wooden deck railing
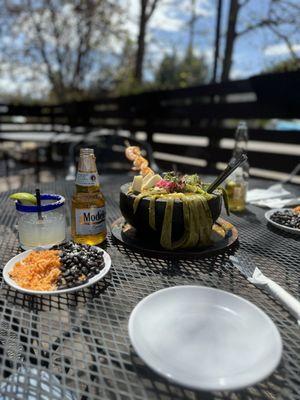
[[206, 113]]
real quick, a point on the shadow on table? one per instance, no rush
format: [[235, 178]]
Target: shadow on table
[[282, 233], [177, 266], [273, 387], [37, 303], [246, 215]]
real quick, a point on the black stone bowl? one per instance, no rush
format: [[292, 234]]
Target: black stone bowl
[[140, 219]]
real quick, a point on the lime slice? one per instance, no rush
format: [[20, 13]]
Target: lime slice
[[24, 198]]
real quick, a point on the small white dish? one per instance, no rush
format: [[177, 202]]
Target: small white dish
[[268, 215], [21, 256], [205, 338]]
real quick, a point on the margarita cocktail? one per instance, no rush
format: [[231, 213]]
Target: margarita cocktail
[[42, 226]]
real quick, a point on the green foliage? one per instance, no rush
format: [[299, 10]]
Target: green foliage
[[176, 72], [291, 64], [172, 72], [167, 73], [124, 82]]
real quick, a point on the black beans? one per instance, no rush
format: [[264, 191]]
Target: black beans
[[287, 218], [79, 263]]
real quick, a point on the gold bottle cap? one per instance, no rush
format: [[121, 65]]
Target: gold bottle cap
[[86, 152]]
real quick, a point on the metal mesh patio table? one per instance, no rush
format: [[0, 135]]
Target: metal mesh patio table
[[81, 339]]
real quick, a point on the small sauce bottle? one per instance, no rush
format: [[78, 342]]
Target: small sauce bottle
[[236, 188], [88, 203], [237, 184]]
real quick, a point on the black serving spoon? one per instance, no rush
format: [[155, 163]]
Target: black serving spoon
[[232, 166]]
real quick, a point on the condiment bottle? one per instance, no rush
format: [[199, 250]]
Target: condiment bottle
[[88, 203], [237, 184]]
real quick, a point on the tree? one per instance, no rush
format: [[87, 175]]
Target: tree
[[285, 66], [124, 79], [174, 72], [230, 38], [147, 8], [64, 41], [217, 41], [166, 75], [192, 25], [281, 19]]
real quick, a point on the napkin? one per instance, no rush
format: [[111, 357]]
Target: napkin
[[291, 303], [277, 203], [261, 195]]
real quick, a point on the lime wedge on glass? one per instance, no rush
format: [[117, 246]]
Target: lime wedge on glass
[[24, 198]]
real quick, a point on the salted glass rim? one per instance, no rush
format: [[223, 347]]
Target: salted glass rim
[[58, 201]]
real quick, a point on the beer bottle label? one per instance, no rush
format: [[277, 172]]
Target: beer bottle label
[[87, 179], [90, 221]]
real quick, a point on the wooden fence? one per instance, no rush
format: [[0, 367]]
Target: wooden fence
[[192, 127]]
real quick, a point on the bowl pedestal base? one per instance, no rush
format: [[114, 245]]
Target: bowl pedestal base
[[225, 235]]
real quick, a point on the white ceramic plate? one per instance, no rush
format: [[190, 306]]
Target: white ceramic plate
[[282, 227], [205, 338], [21, 256]]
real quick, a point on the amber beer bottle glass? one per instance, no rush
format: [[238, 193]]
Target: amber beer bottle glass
[[88, 203]]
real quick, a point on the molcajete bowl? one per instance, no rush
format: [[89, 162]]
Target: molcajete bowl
[[140, 219]]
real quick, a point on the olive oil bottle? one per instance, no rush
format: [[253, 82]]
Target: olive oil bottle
[[88, 203]]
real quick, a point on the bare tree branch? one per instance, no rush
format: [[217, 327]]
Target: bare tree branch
[[83, 47], [260, 24], [42, 45], [66, 41], [56, 33], [145, 16], [152, 8], [286, 41], [280, 18]]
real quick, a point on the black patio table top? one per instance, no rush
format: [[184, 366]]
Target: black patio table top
[[82, 339]]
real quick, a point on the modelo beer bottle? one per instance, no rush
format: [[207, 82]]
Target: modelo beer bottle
[[88, 203]]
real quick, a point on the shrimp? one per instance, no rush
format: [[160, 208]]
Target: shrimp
[[140, 162], [147, 170], [132, 152]]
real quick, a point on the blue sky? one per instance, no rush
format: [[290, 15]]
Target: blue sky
[[254, 52]]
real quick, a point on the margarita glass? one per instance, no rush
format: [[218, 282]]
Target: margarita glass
[[46, 229]]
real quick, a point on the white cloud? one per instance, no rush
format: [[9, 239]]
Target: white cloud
[[131, 24], [169, 16], [208, 54], [237, 73], [280, 49], [166, 22], [203, 8], [163, 18]]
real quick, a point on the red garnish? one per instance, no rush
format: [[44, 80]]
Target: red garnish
[[170, 186]]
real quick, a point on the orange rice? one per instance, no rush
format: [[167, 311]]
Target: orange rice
[[38, 271]]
